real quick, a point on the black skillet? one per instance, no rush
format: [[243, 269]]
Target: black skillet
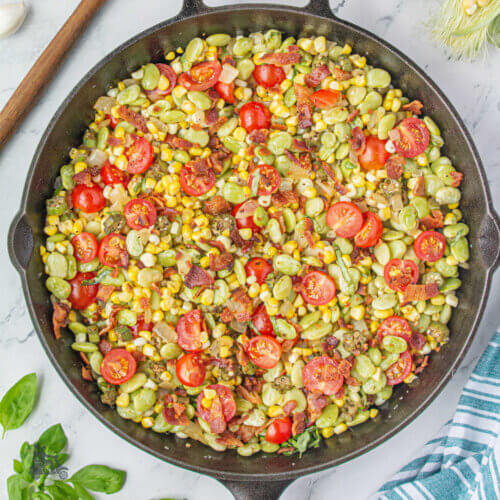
[[260, 476]]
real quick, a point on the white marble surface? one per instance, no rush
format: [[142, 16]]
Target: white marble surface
[[473, 88]]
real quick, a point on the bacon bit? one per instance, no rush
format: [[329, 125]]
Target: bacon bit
[[211, 116], [433, 221], [278, 215], [285, 449], [226, 316], [168, 272], [229, 439], [352, 115], [278, 126], [173, 411], [293, 158], [357, 140], [83, 177], [457, 178], [352, 381], [105, 346], [282, 58], [216, 416], [247, 432], [420, 292], [422, 362], [341, 75], [344, 367], [86, 374], [308, 231], [289, 407], [417, 341], [303, 105], [317, 75], [253, 384], [217, 125], [214, 243], [178, 143], [341, 189], [414, 107], [216, 160], [223, 261], [298, 422], [242, 356], [135, 119], [197, 277], [419, 188], [395, 166], [104, 292], [59, 318], [85, 358], [287, 345], [283, 198], [251, 397], [216, 205], [258, 136], [245, 245], [315, 403], [300, 145], [240, 305], [114, 141]]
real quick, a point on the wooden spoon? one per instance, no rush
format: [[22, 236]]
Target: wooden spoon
[[30, 89]]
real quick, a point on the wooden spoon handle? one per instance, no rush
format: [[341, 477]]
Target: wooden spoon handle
[[30, 89]]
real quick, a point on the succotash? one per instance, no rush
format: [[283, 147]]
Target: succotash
[[256, 241]]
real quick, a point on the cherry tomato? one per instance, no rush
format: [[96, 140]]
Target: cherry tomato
[[82, 296], [226, 91], [398, 274], [85, 247], [140, 156], [195, 184], [259, 268], [429, 246], [394, 325], [190, 331], [226, 398], [268, 75], [141, 326], [325, 98], [269, 180], [413, 137], [264, 351], [374, 156], [254, 116], [321, 375], [88, 199], [118, 366], [113, 122], [345, 218], [202, 76], [261, 321], [318, 288], [243, 214], [279, 431], [190, 370], [371, 231], [397, 372], [140, 213], [170, 75], [113, 251], [112, 175]]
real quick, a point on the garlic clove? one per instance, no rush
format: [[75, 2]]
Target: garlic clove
[[12, 16]]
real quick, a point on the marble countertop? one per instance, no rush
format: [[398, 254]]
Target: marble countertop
[[471, 87]]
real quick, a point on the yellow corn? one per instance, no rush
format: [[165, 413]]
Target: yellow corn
[[383, 314], [275, 411], [339, 429], [123, 400], [327, 432], [358, 312]]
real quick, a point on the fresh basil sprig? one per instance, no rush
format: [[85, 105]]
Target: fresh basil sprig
[[310, 438], [18, 403], [97, 279]]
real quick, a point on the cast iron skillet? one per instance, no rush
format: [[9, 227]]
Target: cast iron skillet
[[260, 476]]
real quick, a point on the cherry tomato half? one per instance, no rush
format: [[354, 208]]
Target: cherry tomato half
[[397, 372], [264, 351], [259, 268], [88, 199], [243, 214], [279, 431], [85, 247], [429, 246], [394, 325], [318, 288], [345, 218], [190, 333], [374, 156], [398, 274], [113, 175], [141, 326], [254, 116], [202, 76], [371, 231], [413, 137], [140, 213], [226, 398], [261, 321], [325, 98], [190, 370], [268, 75], [118, 366], [269, 180], [195, 184], [140, 156], [226, 91], [113, 251], [321, 375], [82, 296]]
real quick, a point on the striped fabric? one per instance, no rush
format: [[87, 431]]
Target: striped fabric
[[462, 461]]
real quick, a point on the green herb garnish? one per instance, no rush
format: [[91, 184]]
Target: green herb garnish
[[94, 281], [310, 438]]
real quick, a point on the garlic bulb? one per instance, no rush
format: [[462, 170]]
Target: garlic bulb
[[11, 17]]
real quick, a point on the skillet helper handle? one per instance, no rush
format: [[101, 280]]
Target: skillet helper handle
[[257, 490], [489, 240], [30, 89], [192, 8], [20, 242], [320, 8]]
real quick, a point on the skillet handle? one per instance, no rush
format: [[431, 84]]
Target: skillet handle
[[319, 8], [192, 8], [257, 490], [20, 242], [489, 240]]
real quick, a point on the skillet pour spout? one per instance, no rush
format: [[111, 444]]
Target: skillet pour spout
[[260, 476]]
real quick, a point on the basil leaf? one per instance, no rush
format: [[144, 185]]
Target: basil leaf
[[18, 403], [83, 494], [100, 478], [27, 458], [18, 466], [53, 440], [310, 438], [15, 486], [98, 278], [62, 491], [41, 496]]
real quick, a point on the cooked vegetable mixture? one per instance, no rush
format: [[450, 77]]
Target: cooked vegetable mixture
[[257, 240]]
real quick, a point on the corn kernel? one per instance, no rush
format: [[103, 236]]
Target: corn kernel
[[339, 429], [207, 297], [358, 312], [179, 91], [373, 412], [253, 290], [275, 411], [80, 166], [147, 422], [50, 230], [123, 400], [327, 432], [384, 314], [347, 49]]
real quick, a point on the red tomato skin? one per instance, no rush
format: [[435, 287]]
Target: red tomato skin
[[140, 209], [202, 76], [113, 122], [279, 431], [140, 156], [261, 321], [394, 374], [321, 285], [113, 243], [325, 98], [190, 370], [254, 116], [203, 184], [371, 231], [413, 139], [244, 222], [141, 326], [170, 75], [401, 265], [85, 247], [320, 375], [227, 399], [345, 218], [189, 331], [270, 357], [268, 75], [429, 246], [258, 267], [88, 199], [113, 175], [82, 296], [226, 91], [273, 177], [125, 359], [394, 325], [374, 156]]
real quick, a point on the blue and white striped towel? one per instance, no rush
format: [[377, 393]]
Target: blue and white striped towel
[[462, 461]]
